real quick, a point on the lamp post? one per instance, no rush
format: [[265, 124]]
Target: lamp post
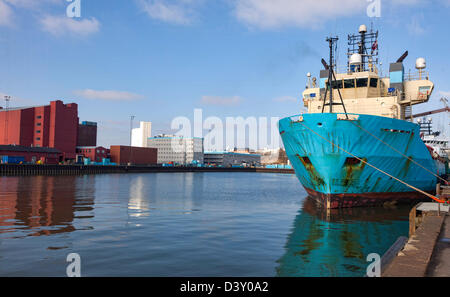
[[7, 100], [131, 140]]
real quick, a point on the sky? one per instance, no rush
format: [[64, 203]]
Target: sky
[[161, 59]]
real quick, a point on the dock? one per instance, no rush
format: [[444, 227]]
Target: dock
[[427, 250], [34, 169]]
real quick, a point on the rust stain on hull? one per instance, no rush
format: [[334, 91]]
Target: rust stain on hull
[[333, 201], [314, 175]]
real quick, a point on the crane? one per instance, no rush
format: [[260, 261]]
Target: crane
[[445, 109]]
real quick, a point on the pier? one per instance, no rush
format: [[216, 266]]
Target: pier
[[29, 169], [427, 251]]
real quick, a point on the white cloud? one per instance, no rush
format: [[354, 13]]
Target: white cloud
[[299, 13], [16, 101], [415, 27], [6, 14], [60, 25], [268, 14], [221, 101], [285, 99], [7, 7], [445, 94], [31, 4], [109, 95], [178, 12]]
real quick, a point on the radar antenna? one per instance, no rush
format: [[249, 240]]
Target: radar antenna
[[360, 44]]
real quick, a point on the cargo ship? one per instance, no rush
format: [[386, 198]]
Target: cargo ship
[[357, 144]]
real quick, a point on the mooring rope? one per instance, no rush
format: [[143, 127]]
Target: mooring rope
[[374, 167], [409, 158]]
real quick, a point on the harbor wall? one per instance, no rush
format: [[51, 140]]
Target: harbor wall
[[30, 169]]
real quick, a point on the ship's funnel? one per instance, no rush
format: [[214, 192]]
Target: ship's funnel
[[403, 57]]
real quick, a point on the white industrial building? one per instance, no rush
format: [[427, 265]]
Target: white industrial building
[[177, 149], [140, 135], [228, 159]]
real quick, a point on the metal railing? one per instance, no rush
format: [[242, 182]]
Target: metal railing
[[417, 75]]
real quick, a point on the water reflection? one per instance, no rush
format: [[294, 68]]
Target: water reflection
[[50, 209], [337, 242], [138, 204], [176, 192]]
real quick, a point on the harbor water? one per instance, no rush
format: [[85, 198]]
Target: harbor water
[[185, 224]]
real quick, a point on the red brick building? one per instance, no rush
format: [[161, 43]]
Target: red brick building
[[95, 154], [138, 155], [32, 154], [49, 126], [87, 134]]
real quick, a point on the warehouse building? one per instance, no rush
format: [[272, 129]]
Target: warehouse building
[[53, 126], [25, 154], [229, 159], [124, 155], [177, 149], [87, 134], [95, 154]]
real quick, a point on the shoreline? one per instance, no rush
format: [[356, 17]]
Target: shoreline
[[32, 169]]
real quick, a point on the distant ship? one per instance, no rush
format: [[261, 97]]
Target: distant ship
[[355, 146], [437, 144]]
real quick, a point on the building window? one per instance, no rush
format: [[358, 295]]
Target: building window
[[39, 124], [39, 117], [38, 131], [38, 139]]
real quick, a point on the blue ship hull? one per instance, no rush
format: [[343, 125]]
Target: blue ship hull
[[337, 179]]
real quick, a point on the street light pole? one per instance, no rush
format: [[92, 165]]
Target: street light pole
[[7, 100], [131, 140]]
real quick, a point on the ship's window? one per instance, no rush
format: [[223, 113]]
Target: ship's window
[[361, 82], [337, 84], [349, 83], [374, 82]]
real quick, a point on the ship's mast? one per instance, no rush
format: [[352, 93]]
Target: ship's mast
[[360, 44], [331, 78], [331, 41]]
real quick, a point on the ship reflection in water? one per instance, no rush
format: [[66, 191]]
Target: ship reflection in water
[[337, 242], [43, 205]]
